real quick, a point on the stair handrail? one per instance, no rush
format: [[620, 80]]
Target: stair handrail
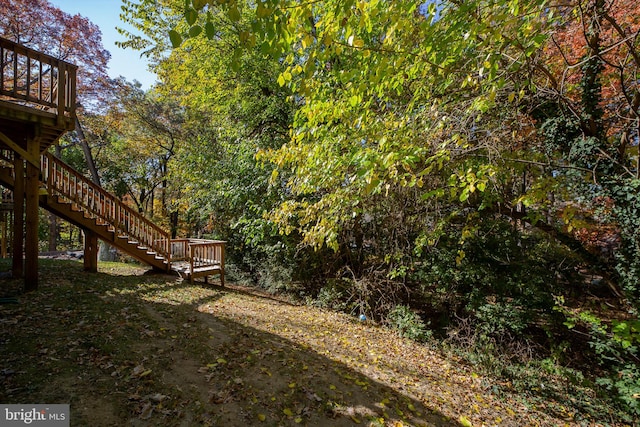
[[64, 181]]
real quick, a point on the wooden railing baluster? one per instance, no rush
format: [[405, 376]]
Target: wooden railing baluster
[[92, 199], [59, 94], [2, 69]]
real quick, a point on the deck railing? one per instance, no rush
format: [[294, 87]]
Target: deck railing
[[71, 186], [64, 181], [37, 79], [206, 253], [179, 249], [199, 252]]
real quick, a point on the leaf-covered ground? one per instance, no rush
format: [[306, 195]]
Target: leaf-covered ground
[[128, 348]]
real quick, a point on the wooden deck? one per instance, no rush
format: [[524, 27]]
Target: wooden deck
[[37, 97], [37, 106]]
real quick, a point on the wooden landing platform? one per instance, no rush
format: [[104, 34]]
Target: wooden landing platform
[[183, 268]]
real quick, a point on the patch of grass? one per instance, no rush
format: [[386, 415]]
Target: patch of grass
[[84, 331]]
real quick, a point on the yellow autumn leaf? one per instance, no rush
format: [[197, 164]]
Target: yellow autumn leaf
[[262, 417], [288, 412], [465, 422]]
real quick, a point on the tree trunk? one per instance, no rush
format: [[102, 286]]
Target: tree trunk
[[53, 233], [91, 164], [174, 224]]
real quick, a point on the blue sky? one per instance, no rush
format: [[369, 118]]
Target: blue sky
[[106, 15]]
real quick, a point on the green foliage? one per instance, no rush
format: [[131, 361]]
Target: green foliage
[[434, 159], [617, 347], [499, 319], [175, 37], [408, 323], [333, 296], [505, 280], [376, 53], [625, 385], [627, 213]]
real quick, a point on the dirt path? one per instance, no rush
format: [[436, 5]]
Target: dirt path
[[125, 348]]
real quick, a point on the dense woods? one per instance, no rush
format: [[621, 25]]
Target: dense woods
[[466, 172]]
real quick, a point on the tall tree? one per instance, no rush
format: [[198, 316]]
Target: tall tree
[[390, 95], [245, 110], [145, 131], [587, 109]]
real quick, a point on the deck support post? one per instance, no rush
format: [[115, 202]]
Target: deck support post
[[4, 223], [32, 187], [17, 265], [90, 251]]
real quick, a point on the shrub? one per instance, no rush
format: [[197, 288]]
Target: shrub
[[408, 323], [625, 385], [332, 296], [501, 318], [617, 349]]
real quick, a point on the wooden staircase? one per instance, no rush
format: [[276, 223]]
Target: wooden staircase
[[37, 106], [73, 197]]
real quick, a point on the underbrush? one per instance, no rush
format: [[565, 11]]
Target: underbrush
[[486, 289], [497, 301], [549, 379], [557, 371]]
